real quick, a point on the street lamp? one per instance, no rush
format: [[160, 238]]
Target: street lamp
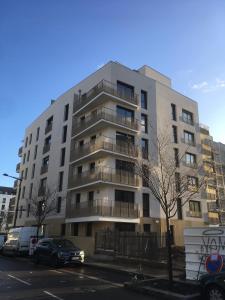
[[18, 197]]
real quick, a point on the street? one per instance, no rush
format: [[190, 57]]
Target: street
[[21, 279]]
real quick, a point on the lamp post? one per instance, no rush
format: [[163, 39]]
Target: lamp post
[[18, 196]]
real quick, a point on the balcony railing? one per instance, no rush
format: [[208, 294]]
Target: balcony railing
[[86, 149], [188, 142], [208, 196], [187, 121], [103, 208], [20, 151], [44, 169], [105, 175], [106, 115], [106, 87], [46, 148], [48, 128], [212, 206], [18, 168], [194, 214]]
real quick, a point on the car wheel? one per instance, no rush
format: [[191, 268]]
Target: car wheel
[[215, 293]]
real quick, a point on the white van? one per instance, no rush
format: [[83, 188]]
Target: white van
[[18, 240]]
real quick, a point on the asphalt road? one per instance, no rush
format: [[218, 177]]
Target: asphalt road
[[20, 279]]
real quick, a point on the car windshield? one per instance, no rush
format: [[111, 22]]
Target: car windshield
[[64, 244]]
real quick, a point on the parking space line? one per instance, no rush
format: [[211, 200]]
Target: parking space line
[[52, 295], [94, 278], [18, 279], [55, 271]]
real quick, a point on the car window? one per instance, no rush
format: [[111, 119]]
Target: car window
[[64, 244], [44, 243]]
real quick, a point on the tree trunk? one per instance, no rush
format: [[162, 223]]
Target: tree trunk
[[169, 252]]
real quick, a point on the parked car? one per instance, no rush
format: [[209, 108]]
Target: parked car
[[18, 240], [213, 286], [3, 238], [57, 251]]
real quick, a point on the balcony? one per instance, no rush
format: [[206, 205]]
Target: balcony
[[48, 128], [212, 206], [188, 142], [18, 168], [103, 115], [123, 149], [102, 175], [194, 214], [46, 148], [208, 196], [99, 93], [102, 208], [44, 169], [20, 151]]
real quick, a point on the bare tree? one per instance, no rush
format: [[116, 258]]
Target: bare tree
[[4, 224], [159, 172], [41, 205]]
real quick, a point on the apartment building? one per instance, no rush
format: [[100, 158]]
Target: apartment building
[[112, 119], [213, 155], [6, 195]]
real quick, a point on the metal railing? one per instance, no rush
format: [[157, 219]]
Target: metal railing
[[212, 206], [188, 142], [103, 175], [48, 128], [103, 114], [194, 214], [104, 208], [46, 148], [120, 148], [103, 86]]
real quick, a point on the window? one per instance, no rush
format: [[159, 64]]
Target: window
[[3, 207], [190, 159], [33, 171], [147, 228], [23, 192], [24, 158], [173, 112], [124, 138], [79, 170], [43, 185], [28, 155], [179, 209], [125, 90], [62, 160], [4, 200], [93, 139], [145, 199], [26, 141], [66, 112], [45, 162], [30, 191], [189, 138], [123, 165], [195, 206], [63, 229], [37, 133], [64, 134], [75, 229], [175, 134], [176, 157], [177, 182], [47, 144], [125, 113], [187, 117], [59, 202], [25, 175], [21, 211], [49, 123], [145, 178], [30, 139], [124, 196], [60, 181], [35, 151], [92, 166], [77, 200], [144, 99], [192, 181], [89, 229], [144, 148], [90, 198], [144, 123], [28, 210]]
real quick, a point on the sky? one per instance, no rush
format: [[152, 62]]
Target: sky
[[47, 46]]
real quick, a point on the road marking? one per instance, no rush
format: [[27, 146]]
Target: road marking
[[94, 278], [52, 295], [55, 271], [18, 279]]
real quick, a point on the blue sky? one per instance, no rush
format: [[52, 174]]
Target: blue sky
[[47, 46]]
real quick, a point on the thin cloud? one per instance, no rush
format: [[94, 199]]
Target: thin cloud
[[199, 86], [206, 87]]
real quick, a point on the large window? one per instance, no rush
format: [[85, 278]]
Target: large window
[[123, 165], [195, 206], [179, 209], [144, 148], [124, 196], [144, 99], [125, 90], [189, 138], [125, 113], [62, 159], [144, 123], [173, 112], [146, 206], [60, 181], [64, 134], [66, 112], [124, 138], [175, 140], [192, 181], [190, 159], [176, 157], [187, 117]]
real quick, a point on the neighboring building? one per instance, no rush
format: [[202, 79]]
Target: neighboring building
[[213, 162], [6, 194], [82, 146]]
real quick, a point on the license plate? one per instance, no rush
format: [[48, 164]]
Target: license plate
[[75, 258]]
